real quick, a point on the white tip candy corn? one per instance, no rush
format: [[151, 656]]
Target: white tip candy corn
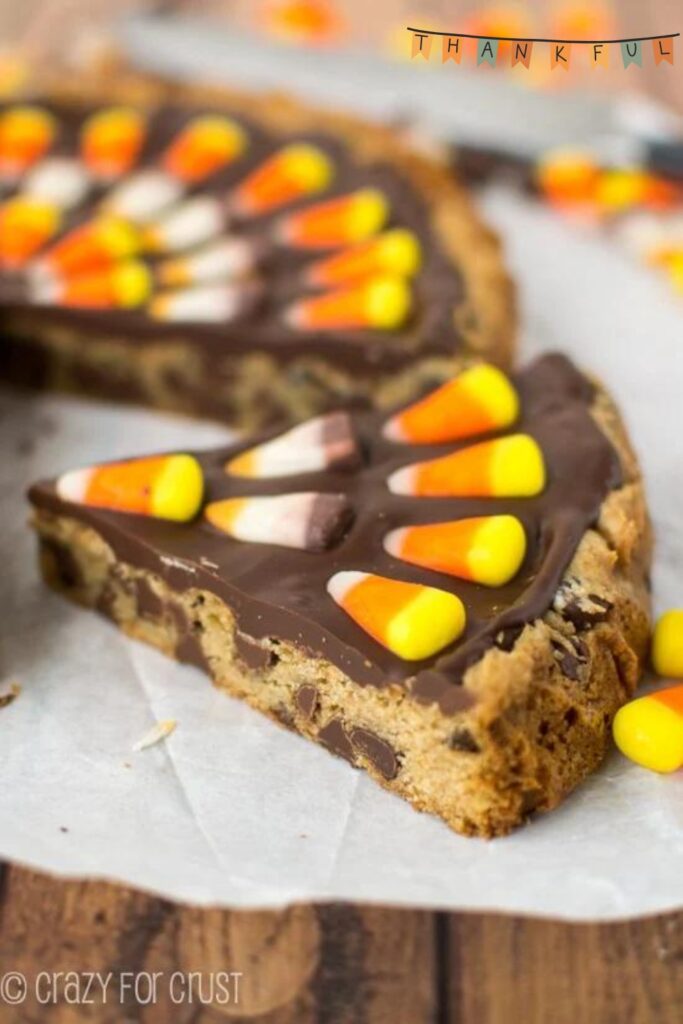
[[309, 521], [324, 442]]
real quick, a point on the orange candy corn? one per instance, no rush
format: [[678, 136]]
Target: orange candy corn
[[485, 549], [509, 467], [297, 170], [96, 245], [411, 620], [123, 286], [568, 176], [111, 141], [163, 486], [394, 252], [479, 400], [26, 133], [343, 220], [381, 303], [204, 146], [25, 226]]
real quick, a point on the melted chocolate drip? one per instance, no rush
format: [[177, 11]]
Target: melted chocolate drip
[[280, 593]]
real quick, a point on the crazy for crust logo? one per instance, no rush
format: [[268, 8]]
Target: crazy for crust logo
[[451, 46]]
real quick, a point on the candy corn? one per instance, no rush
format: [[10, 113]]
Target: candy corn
[[485, 549], [395, 252], [381, 303], [667, 644], [568, 176], [226, 259], [111, 141], [25, 226], [96, 245], [190, 223], [163, 486], [344, 220], [480, 400], [411, 620], [310, 521], [59, 180], [123, 286], [325, 442], [208, 304], [509, 467], [26, 133], [203, 147], [649, 730], [295, 171]]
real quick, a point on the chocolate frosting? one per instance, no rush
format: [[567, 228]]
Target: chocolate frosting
[[280, 593], [438, 287]]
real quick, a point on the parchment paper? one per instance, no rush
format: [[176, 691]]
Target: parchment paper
[[232, 810]]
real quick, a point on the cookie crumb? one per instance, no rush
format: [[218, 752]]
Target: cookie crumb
[[9, 693], [156, 734]]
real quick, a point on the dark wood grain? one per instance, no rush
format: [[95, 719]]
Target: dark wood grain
[[334, 964]]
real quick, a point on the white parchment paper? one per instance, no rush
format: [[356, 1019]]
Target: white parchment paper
[[232, 810]]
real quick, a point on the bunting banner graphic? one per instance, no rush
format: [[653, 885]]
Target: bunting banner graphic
[[560, 50], [600, 55], [632, 53], [451, 49], [422, 45], [560, 55], [487, 52], [521, 53], [663, 49]]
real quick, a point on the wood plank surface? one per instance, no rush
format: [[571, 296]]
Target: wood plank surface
[[331, 964]]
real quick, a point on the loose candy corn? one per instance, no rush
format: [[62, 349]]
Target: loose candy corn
[[163, 486], [381, 303], [191, 223], [310, 521], [344, 220], [123, 286], [96, 245], [649, 730], [325, 442], [411, 620], [26, 133], [480, 400], [509, 467], [568, 176], [297, 170], [225, 259], [25, 227], [485, 549], [111, 141], [210, 303], [60, 180], [667, 645], [203, 147], [396, 252]]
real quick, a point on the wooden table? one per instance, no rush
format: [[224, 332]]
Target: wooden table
[[332, 964]]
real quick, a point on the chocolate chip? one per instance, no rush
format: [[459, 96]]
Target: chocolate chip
[[378, 752], [462, 739], [149, 604], [507, 638], [570, 653], [307, 700], [63, 566], [335, 738], [583, 610], [189, 650], [255, 657], [284, 716]]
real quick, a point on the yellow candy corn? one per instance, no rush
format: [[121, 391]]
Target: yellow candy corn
[[122, 286], [396, 252], [25, 226], [509, 467], [382, 303], [25, 135], [411, 620], [95, 245], [667, 645], [343, 220], [649, 730], [484, 549], [162, 486], [479, 400], [298, 170], [204, 146], [111, 141]]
